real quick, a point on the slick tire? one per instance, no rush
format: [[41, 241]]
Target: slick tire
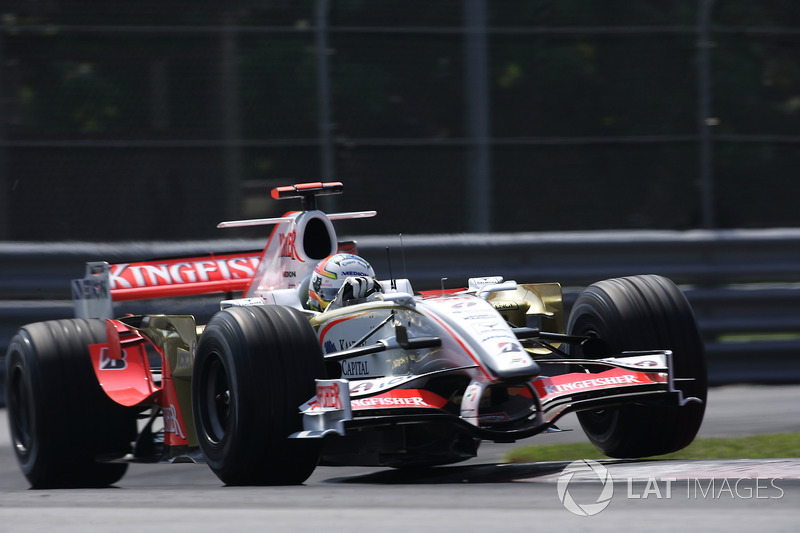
[[60, 419], [254, 367], [642, 313]]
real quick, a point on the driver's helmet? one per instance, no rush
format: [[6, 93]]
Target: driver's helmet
[[329, 275]]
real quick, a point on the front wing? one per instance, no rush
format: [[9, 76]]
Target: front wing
[[642, 377]]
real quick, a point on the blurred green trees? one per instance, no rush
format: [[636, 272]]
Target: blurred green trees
[[151, 113]]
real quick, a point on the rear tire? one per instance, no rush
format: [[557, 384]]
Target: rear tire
[[255, 366], [59, 417], [643, 313]]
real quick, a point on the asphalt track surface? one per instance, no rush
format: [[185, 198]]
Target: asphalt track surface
[[479, 495]]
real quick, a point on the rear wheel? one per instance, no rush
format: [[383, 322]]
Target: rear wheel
[[643, 313], [60, 419], [254, 367]]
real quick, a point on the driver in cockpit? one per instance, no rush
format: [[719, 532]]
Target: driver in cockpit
[[341, 279]]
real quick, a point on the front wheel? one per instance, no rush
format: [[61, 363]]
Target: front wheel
[[254, 367], [643, 313]]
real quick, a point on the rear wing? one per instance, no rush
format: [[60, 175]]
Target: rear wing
[[168, 278], [298, 241]]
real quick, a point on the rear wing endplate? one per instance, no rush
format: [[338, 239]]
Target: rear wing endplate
[[91, 295]]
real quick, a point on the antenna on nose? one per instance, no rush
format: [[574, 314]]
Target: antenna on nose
[[391, 276]]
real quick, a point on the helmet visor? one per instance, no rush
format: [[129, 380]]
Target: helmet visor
[[327, 294]]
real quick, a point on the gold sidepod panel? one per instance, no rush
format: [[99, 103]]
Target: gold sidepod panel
[[535, 305]]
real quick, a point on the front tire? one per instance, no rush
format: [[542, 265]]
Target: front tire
[[643, 313], [254, 367], [60, 419]]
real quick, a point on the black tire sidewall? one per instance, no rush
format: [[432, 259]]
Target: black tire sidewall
[[216, 348], [24, 400], [643, 313], [271, 356], [71, 420]]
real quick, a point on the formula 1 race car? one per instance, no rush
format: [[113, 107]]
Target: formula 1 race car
[[268, 388]]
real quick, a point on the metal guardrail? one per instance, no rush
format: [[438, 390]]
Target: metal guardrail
[[744, 285]]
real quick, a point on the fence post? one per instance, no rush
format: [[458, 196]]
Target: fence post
[[324, 123], [231, 122], [5, 182], [476, 60], [704, 119]]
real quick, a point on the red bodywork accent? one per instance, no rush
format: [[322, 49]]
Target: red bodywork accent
[[143, 293], [440, 293], [400, 399], [123, 370], [566, 384], [306, 189], [174, 426], [122, 367], [182, 277], [555, 393], [395, 398]]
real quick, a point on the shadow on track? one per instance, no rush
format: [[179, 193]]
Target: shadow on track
[[480, 473]]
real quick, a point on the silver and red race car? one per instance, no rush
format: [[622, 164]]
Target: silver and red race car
[[268, 389]]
